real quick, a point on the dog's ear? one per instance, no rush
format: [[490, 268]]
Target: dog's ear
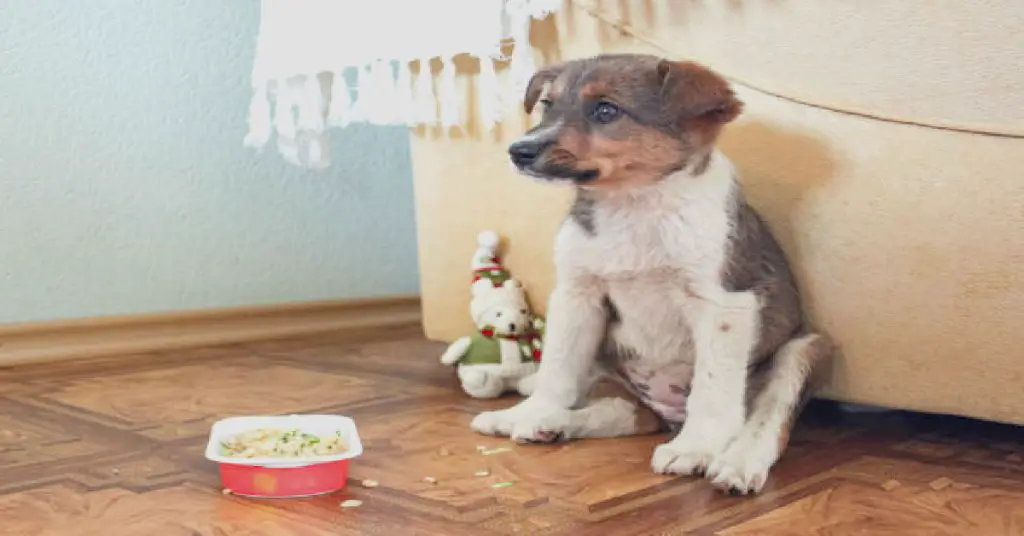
[[691, 91], [536, 85]]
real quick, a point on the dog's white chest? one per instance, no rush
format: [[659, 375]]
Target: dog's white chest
[[651, 317], [680, 226]]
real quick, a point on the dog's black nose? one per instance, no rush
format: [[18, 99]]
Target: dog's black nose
[[525, 152], [511, 327]]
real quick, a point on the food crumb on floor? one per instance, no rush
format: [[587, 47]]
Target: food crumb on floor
[[430, 480], [940, 483], [890, 485], [226, 491], [351, 503], [483, 472], [497, 485], [369, 483]]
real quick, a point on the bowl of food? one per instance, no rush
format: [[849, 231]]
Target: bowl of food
[[284, 456]]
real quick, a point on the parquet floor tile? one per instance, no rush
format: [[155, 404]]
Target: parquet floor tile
[[115, 446]]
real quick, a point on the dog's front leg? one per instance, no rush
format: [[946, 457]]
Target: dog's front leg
[[576, 324], [725, 328]]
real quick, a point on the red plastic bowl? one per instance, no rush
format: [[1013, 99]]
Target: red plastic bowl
[[282, 482], [285, 477]]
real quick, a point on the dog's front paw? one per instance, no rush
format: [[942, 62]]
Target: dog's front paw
[[681, 458], [692, 451], [743, 468]]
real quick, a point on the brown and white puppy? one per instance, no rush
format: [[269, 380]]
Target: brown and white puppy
[[668, 282]]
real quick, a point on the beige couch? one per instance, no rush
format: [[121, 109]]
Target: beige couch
[[882, 140]]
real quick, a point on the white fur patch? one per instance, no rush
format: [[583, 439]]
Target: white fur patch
[[575, 327]]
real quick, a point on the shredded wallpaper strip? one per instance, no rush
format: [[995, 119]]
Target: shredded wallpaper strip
[[305, 47]]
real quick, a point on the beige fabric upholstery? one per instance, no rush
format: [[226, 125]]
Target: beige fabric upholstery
[[908, 240]]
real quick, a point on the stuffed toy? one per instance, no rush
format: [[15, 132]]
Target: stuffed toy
[[486, 263], [504, 352]]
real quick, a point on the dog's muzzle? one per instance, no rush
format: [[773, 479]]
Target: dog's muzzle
[[527, 156], [525, 153]]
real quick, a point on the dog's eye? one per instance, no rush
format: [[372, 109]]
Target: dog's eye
[[545, 102], [605, 112], [497, 315]]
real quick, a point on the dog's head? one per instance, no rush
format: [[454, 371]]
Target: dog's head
[[622, 120]]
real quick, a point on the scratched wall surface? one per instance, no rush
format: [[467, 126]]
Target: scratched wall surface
[[124, 187]]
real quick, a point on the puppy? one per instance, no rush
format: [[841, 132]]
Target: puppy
[[674, 307]]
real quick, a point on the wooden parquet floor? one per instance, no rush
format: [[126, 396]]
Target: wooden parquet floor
[[114, 447]]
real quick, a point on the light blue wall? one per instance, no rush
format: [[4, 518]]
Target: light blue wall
[[124, 187]]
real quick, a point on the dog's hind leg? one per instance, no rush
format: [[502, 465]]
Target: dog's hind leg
[[611, 411], [778, 394]]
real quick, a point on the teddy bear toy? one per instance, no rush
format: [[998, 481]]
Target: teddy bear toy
[[504, 352]]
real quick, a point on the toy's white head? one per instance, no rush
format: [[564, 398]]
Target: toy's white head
[[503, 309]]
